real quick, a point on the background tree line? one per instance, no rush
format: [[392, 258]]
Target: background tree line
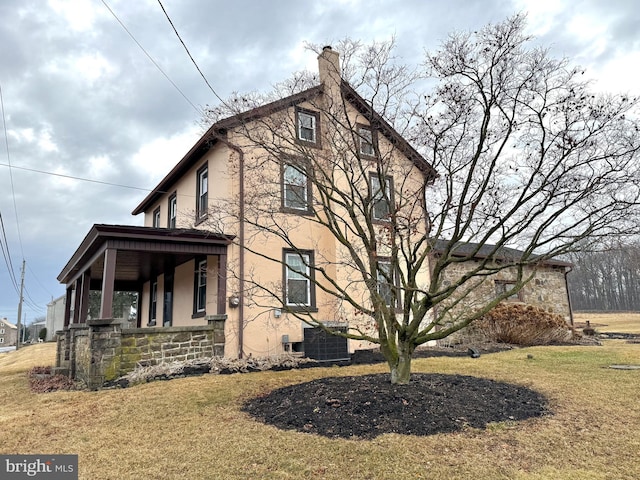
[[606, 280]]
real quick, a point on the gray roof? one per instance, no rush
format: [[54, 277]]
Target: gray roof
[[477, 250]]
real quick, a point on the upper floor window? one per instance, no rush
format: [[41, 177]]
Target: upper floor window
[[202, 193], [365, 141], [296, 188], [503, 286], [381, 196], [156, 218], [173, 211], [1, 331], [299, 289], [307, 127]]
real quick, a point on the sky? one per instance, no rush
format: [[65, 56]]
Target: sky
[[82, 99]]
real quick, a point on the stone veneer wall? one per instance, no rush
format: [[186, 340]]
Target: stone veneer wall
[[547, 290], [100, 350]]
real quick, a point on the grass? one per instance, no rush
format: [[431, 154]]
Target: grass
[[193, 428], [628, 322]]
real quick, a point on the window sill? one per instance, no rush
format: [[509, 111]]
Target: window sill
[[308, 143], [199, 315], [310, 309], [296, 211], [199, 220]]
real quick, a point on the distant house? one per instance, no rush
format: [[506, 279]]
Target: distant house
[[186, 275], [8, 333], [55, 317]]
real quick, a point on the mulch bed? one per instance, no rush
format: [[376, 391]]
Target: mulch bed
[[363, 407]]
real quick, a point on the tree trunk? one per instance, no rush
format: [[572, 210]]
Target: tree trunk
[[400, 366]]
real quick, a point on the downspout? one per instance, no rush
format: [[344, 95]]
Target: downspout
[[241, 235], [566, 286]]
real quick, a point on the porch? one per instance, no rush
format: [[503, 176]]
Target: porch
[[123, 258]]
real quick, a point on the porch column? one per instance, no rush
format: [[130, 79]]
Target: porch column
[[222, 284], [108, 280], [67, 306], [77, 289], [84, 297]]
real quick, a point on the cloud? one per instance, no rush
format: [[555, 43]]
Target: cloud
[[82, 99]]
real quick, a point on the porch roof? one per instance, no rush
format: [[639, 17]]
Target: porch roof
[[141, 251]]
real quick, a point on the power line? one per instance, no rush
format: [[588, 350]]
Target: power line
[[38, 280], [151, 58], [189, 53], [13, 191], [7, 257], [82, 179]]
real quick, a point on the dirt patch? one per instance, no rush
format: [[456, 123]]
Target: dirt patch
[[42, 380], [364, 407]]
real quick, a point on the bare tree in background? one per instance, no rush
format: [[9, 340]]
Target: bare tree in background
[[521, 154], [607, 279]]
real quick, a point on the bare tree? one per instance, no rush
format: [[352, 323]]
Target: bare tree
[[606, 279], [521, 155]]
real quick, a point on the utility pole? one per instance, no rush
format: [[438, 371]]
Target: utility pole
[[20, 305]]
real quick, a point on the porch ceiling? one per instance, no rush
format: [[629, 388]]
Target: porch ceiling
[[141, 252]]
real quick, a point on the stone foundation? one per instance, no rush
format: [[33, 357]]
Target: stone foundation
[[101, 350]]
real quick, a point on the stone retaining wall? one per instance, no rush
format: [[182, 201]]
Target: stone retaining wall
[[101, 350]]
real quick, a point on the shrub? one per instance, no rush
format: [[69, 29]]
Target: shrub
[[526, 325]]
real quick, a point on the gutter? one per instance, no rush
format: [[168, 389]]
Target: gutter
[[566, 286]]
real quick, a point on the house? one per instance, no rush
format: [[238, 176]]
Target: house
[[194, 263], [55, 317], [8, 333], [548, 289]]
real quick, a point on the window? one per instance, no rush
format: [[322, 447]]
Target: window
[[387, 280], [153, 307], [173, 211], [298, 279], [307, 130], [381, 196], [1, 331], [365, 140], [156, 218], [296, 188], [503, 286], [202, 193], [2, 339], [200, 288]]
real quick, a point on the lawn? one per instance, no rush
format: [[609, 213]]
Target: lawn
[[193, 428], [628, 322]]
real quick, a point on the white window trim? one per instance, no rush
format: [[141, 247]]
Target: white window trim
[[173, 211], [203, 192], [202, 275], [379, 194], [383, 281], [313, 128], [153, 314], [365, 138], [156, 218], [305, 276], [286, 184]]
